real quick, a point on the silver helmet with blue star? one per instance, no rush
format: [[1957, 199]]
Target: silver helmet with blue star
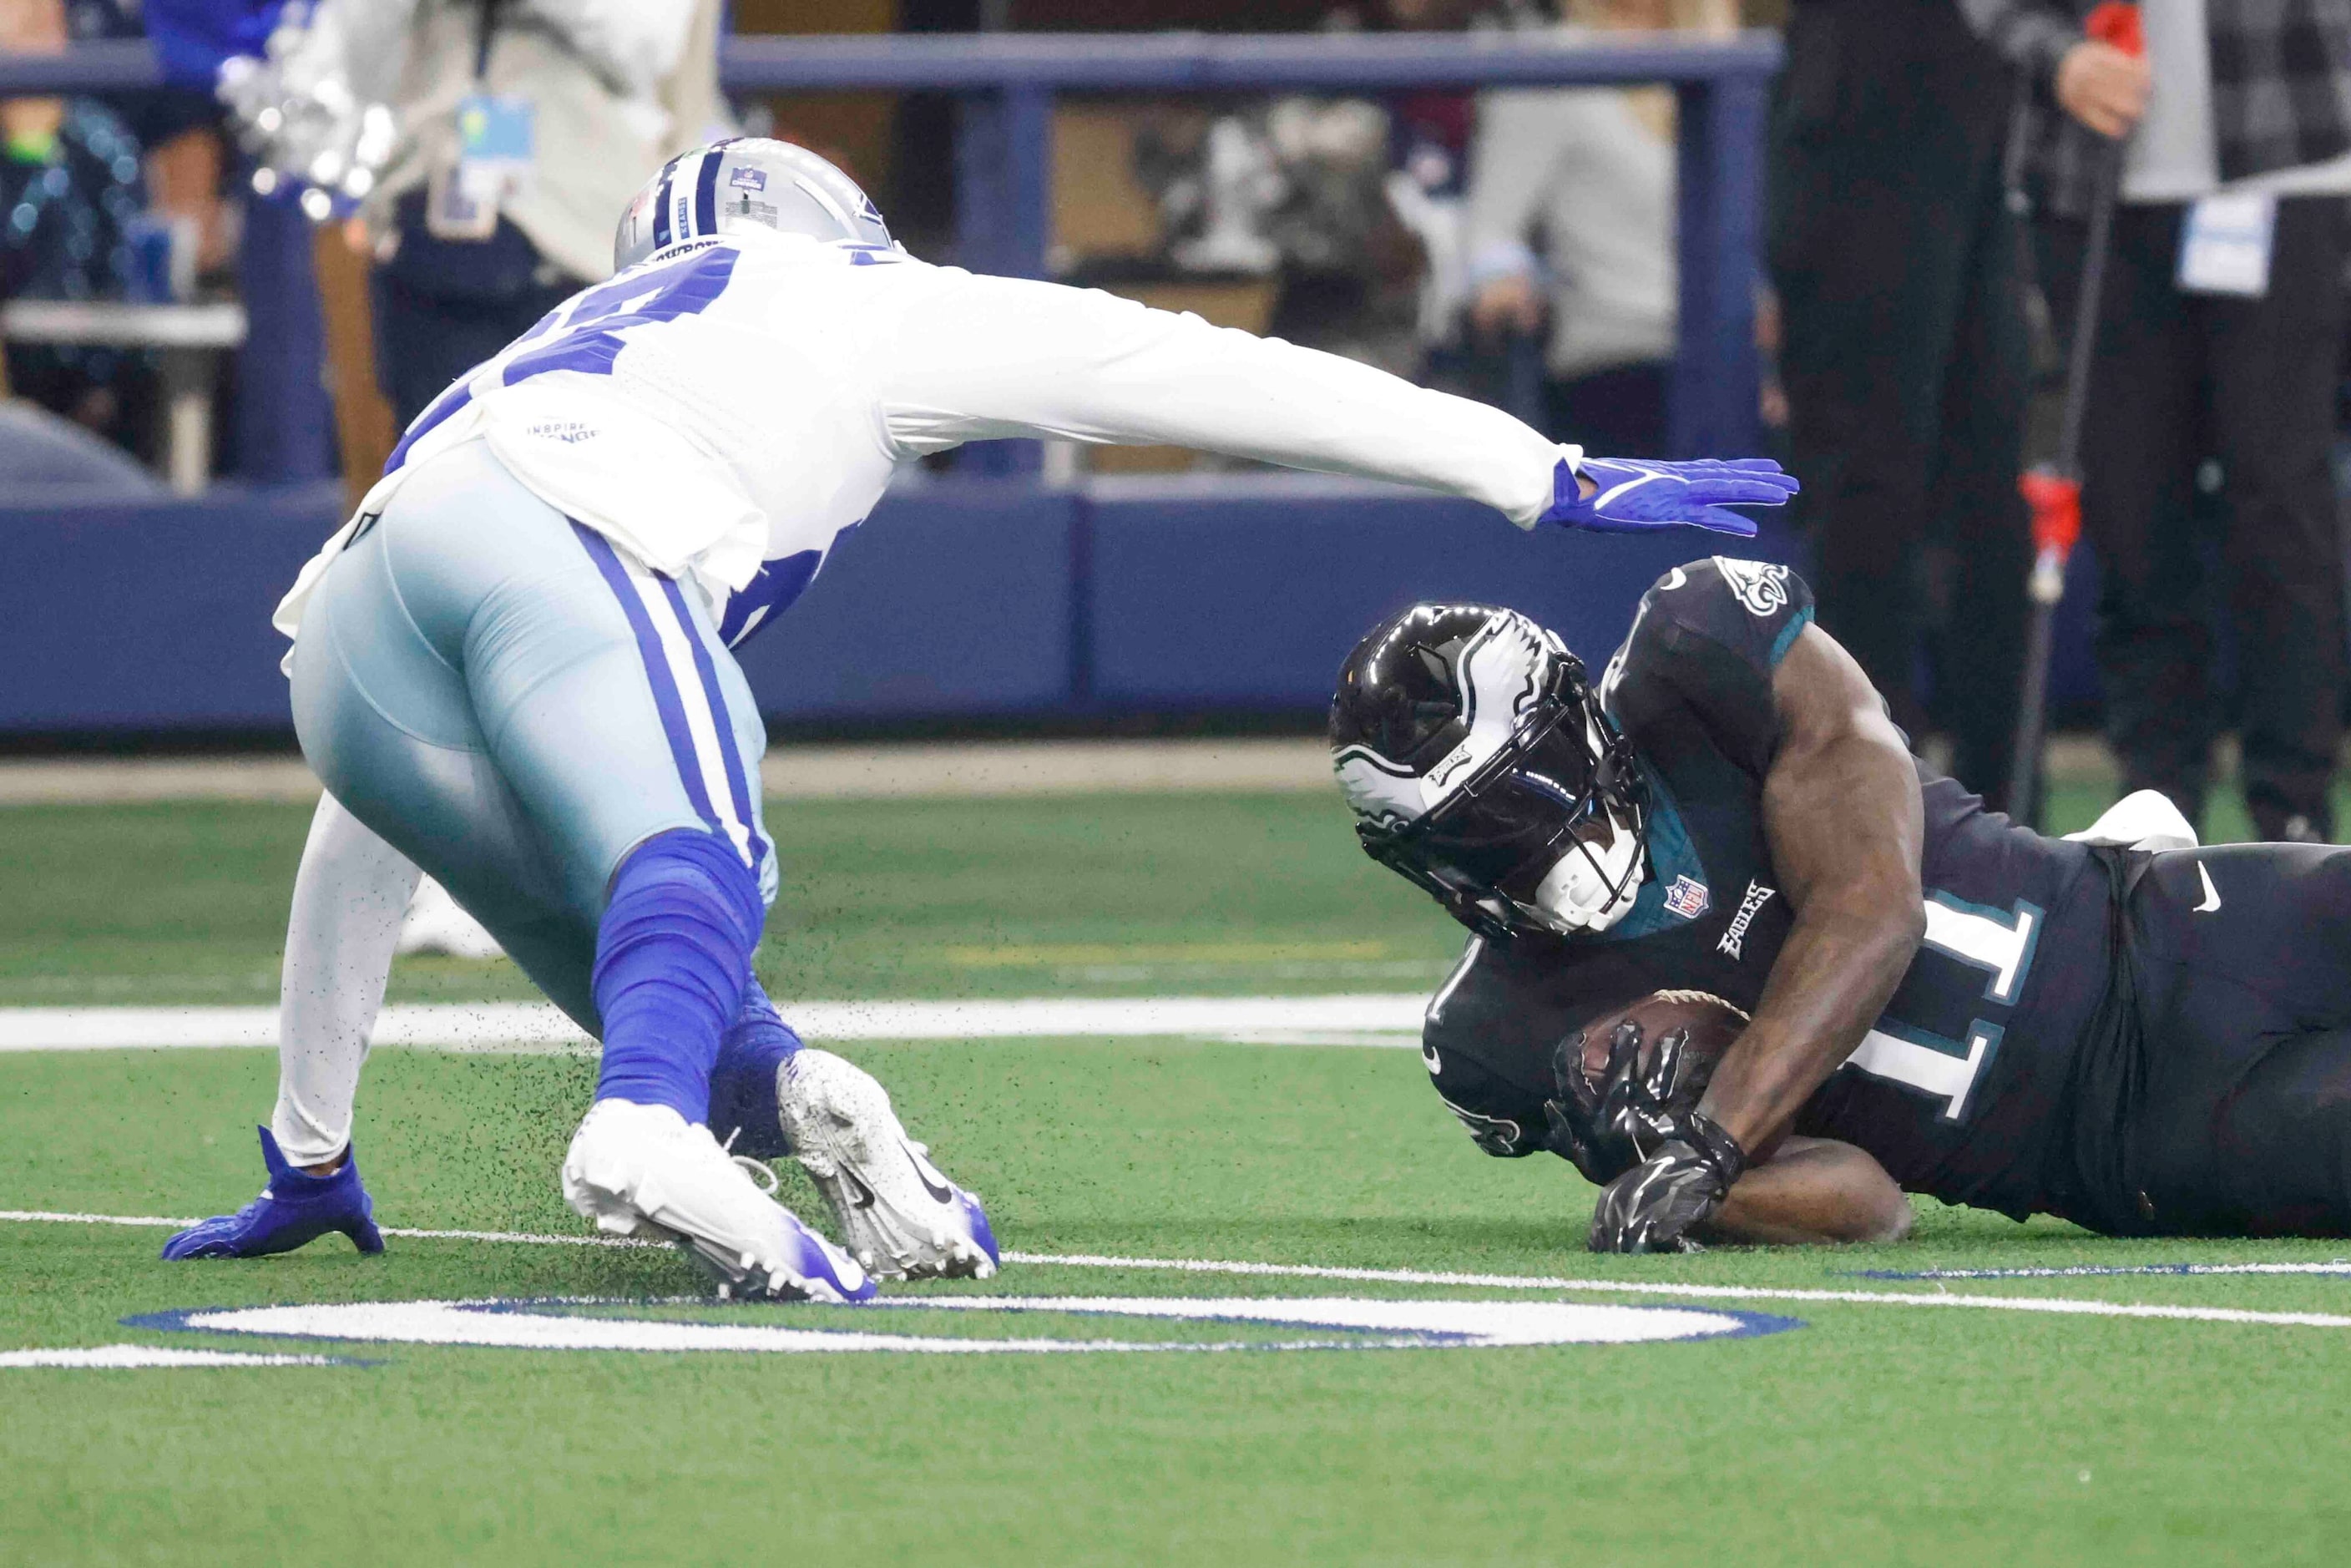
[[746, 182]]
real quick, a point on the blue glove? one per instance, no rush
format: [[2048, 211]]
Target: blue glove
[[296, 1208], [1635, 496]]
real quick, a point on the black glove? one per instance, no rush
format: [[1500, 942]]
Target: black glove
[[1654, 1207], [1609, 1129]]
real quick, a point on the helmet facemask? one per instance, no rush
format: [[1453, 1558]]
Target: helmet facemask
[[1548, 831]]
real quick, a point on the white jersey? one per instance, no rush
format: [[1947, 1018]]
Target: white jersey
[[726, 410]]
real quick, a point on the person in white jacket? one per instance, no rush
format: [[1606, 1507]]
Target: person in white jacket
[[511, 669], [1545, 162]]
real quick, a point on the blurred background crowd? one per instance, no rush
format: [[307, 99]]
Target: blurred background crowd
[[1942, 182]]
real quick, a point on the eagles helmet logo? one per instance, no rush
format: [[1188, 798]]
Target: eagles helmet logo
[[1481, 768], [1761, 586]]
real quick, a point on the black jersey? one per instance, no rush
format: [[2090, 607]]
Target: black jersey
[[1961, 1089]]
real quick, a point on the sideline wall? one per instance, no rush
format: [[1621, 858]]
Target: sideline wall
[[959, 599]]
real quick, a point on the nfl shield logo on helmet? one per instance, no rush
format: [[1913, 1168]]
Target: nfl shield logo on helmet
[[1685, 898], [747, 180]]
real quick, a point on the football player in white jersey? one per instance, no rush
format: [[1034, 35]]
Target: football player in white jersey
[[511, 669]]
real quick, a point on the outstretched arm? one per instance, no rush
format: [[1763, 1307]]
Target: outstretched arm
[[991, 356]]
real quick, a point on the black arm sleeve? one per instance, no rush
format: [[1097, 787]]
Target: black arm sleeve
[[1707, 639]]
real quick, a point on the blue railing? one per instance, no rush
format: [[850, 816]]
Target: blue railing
[[1004, 153]]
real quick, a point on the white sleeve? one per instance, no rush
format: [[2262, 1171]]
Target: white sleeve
[[349, 898], [985, 357]]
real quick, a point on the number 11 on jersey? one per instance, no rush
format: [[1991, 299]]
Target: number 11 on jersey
[[2001, 944], [1930, 1063]]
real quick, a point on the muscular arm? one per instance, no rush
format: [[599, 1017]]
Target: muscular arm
[[1842, 818], [991, 356], [1813, 1191]]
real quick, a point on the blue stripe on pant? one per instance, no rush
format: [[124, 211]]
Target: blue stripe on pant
[[470, 684], [737, 790], [666, 697]]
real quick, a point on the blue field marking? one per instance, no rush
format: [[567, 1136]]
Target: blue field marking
[[562, 1324], [2339, 1268]]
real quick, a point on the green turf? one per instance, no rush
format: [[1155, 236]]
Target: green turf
[[1871, 1434], [1091, 895], [1103, 895], [1874, 1434]]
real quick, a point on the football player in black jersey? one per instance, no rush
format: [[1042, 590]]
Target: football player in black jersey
[[2135, 1034]]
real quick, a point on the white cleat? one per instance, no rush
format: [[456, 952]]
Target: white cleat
[[437, 923], [900, 1218], [644, 1170]]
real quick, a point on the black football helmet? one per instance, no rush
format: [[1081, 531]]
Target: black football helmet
[[1477, 761]]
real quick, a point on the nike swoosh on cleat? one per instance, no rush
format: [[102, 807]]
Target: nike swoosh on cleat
[[860, 1194], [943, 1194], [2211, 894]]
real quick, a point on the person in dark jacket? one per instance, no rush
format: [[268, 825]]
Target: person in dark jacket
[[1900, 271], [2220, 327]]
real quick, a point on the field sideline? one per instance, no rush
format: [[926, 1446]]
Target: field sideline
[[1478, 1387]]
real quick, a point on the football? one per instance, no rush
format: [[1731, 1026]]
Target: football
[[1712, 1022]]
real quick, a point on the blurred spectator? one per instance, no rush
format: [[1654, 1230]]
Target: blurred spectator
[[1569, 237], [1294, 189], [1898, 266], [178, 125], [520, 129], [71, 195], [73, 200], [2220, 324], [1430, 132], [1351, 204]]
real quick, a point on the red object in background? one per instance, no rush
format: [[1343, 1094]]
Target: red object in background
[[2117, 25], [2057, 503]]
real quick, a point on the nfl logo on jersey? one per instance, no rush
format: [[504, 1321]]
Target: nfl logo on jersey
[[1685, 898]]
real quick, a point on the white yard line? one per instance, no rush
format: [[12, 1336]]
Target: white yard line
[[126, 1357], [1364, 1019], [1718, 1293], [2061, 1305], [173, 1222], [2088, 1271]]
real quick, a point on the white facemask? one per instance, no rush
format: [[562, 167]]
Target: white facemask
[[1575, 895]]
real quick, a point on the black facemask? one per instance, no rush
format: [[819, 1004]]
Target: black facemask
[[1486, 849]]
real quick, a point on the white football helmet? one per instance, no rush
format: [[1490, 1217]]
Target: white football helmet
[[746, 182]]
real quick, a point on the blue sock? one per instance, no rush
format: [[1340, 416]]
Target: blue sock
[[673, 956], [743, 1084]]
